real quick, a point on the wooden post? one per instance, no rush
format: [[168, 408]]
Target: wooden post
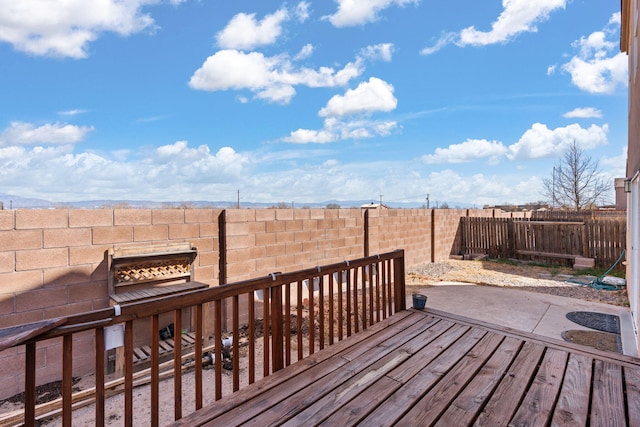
[[100, 394], [222, 265], [399, 291], [276, 327], [366, 233], [222, 247], [30, 385], [433, 235]]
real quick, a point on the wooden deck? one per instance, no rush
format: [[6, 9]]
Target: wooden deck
[[432, 368]]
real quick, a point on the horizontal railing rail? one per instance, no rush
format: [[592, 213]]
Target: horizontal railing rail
[[285, 317]]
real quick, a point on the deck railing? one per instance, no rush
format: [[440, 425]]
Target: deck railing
[[300, 312]]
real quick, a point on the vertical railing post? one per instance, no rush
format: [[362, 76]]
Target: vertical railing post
[[276, 328], [100, 394], [399, 291], [30, 385], [177, 364], [128, 374], [67, 379]]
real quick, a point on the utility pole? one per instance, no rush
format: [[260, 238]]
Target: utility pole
[[381, 200], [427, 200], [238, 199]]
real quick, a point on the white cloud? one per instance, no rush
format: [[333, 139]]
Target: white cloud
[[444, 40], [336, 129], [583, 113], [369, 97], [599, 66], [374, 95], [301, 11], [539, 141], [244, 32], [517, 17], [72, 112], [271, 78], [382, 51], [305, 52], [170, 172], [305, 136], [64, 28], [360, 12], [468, 151], [617, 165], [21, 133]]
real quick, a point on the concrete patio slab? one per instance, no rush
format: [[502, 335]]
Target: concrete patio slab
[[538, 313]]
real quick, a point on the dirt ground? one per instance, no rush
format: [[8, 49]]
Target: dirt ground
[[534, 278], [550, 280]]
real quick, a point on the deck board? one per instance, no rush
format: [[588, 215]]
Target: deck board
[[575, 389], [466, 407], [433, 368]]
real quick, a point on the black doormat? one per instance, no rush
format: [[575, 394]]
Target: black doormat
[[599, 340], [599, 321]]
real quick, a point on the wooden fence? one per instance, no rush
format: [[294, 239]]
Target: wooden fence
[[341, 299], [557, 215], [552, 242]]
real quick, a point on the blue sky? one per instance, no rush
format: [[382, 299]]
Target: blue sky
[[180, 100]]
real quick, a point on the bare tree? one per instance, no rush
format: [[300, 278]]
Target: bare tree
[[576, 181]]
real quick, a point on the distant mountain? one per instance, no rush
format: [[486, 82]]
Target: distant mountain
[[17, 202]]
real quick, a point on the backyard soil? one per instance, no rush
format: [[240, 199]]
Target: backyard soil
[[549, 280], [512, 274]]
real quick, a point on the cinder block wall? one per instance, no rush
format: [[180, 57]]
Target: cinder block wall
[[263, 241], [52, 262]]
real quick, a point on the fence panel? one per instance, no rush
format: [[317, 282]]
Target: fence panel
[[552, 242]]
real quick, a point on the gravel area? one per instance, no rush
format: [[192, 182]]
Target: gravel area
[[549, 280]]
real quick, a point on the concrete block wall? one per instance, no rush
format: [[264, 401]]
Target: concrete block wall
[[265, 241], [408, 229], [52, 264]]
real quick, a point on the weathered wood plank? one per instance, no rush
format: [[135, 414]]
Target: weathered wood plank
[[427, 410], [537, 406], [397, 404], [465, 408], [607, 404], [632, 389], [372, 363], [507, 396], [335, 394], [314, 362], [354, 410], [571, 410]]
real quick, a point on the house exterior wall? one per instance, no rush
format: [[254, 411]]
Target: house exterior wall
[[629, 34], [53, 262]]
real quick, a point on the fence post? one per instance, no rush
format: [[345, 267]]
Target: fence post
[[399, 290], [433, 235], [222, 247], [366, 233]]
